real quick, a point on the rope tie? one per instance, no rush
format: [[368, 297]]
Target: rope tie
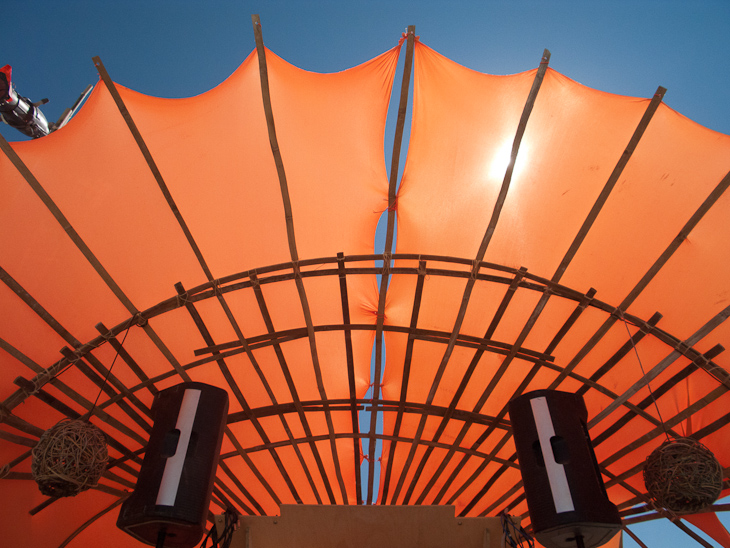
[[390, 207], [710, 367], [386, 264], [39, 381], [394, 205], [52, 372], [108, 337], [682, 348], [404, 37], [23, 386], [182, 299], [74, 359], [215, 285], [474, 269], [4, 471]]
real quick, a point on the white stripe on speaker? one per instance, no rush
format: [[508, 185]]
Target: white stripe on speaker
[[174, 465], [555, 472]]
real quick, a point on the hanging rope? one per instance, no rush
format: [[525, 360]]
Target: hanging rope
[[132, 320], [681, 475], [643, 373], [72, 455]]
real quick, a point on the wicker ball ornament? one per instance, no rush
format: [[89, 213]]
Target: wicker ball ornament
[[683, 476], [69, 458]]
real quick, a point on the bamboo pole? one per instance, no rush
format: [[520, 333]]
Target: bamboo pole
[[405, 377], [264, 311], [347, 332], [291, 237], [389, 234], [238, 394], [522, 126]]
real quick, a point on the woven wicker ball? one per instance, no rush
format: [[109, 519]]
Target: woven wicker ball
[[683, 476], [69, 458]]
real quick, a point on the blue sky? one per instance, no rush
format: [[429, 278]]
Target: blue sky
[[182, 48]]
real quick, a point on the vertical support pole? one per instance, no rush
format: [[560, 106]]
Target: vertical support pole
[[268, 110], [395, 162]]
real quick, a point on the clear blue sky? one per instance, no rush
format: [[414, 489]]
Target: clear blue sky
[[182, 48]]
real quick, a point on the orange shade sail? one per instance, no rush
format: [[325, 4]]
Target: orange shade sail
[[549, 235]]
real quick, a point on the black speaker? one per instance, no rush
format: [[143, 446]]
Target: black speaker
[[170, 502], [566, 498]]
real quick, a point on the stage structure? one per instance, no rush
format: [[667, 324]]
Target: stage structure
[[549, 237]]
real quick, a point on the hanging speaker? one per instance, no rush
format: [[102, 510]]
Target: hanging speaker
[[170, 502], [566, 498]]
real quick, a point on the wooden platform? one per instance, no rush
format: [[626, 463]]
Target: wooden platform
[[309, 526]]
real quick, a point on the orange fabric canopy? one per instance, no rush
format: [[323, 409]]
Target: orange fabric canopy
[[519, 264]]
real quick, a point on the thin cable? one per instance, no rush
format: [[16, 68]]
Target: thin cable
[[109, 372], [513, 535], [643, 373], [226, 536]]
